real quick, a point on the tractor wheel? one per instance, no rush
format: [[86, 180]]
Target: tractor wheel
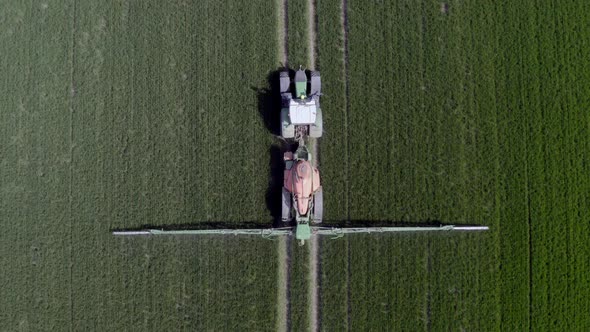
[[286, 99], [287, 128], [316, 129], [285, 81], [318, 206], [286, 209], [316, 83]]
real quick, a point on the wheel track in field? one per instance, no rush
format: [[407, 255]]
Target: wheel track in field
[[283, 293], [344, 22], [283, 31], [284, 244], [73, 87], [314, 244], [314, 269], [311, 32]]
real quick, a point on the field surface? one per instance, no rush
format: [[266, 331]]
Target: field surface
[[467, 112], [124, 115]]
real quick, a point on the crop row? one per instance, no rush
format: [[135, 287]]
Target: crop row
[[333, 145], [297, 33], [455, 115], [557, 151], [36, 160], [126, 115], [334, 291], [182, 103]]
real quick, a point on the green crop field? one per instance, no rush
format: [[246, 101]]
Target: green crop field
[[124, 115], [118, 116], [469, 112]]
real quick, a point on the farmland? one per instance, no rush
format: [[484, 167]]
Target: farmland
[[458, 114], [117, 117], [153, 113]]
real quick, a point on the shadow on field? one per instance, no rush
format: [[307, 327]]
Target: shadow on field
[[200, 225], [269, 102], [389, 223], [275, 184], [269, 109]]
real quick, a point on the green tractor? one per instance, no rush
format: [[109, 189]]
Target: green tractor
[[301, 115]]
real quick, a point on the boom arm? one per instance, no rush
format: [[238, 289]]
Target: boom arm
[[339, 232], [288, 231], [264, 232]]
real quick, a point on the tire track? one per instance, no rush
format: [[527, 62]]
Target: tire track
[[283, 31], [428, 297], [311, 33], [70, 170], [344, 21], [284, 243], [314, 261], [283, 304], [314, 289]]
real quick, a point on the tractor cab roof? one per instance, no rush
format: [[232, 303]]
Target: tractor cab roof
[[302, 111]]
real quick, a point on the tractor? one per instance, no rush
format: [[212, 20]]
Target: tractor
[[301, 115], [301, 119]]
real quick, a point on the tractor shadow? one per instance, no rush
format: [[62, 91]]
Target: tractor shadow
[[210, 225], [269, 110], [275, 184], [269, 102]]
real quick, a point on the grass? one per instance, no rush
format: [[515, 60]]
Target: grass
[[459, 117], [118, 116], [333, 145], [133, 114]]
